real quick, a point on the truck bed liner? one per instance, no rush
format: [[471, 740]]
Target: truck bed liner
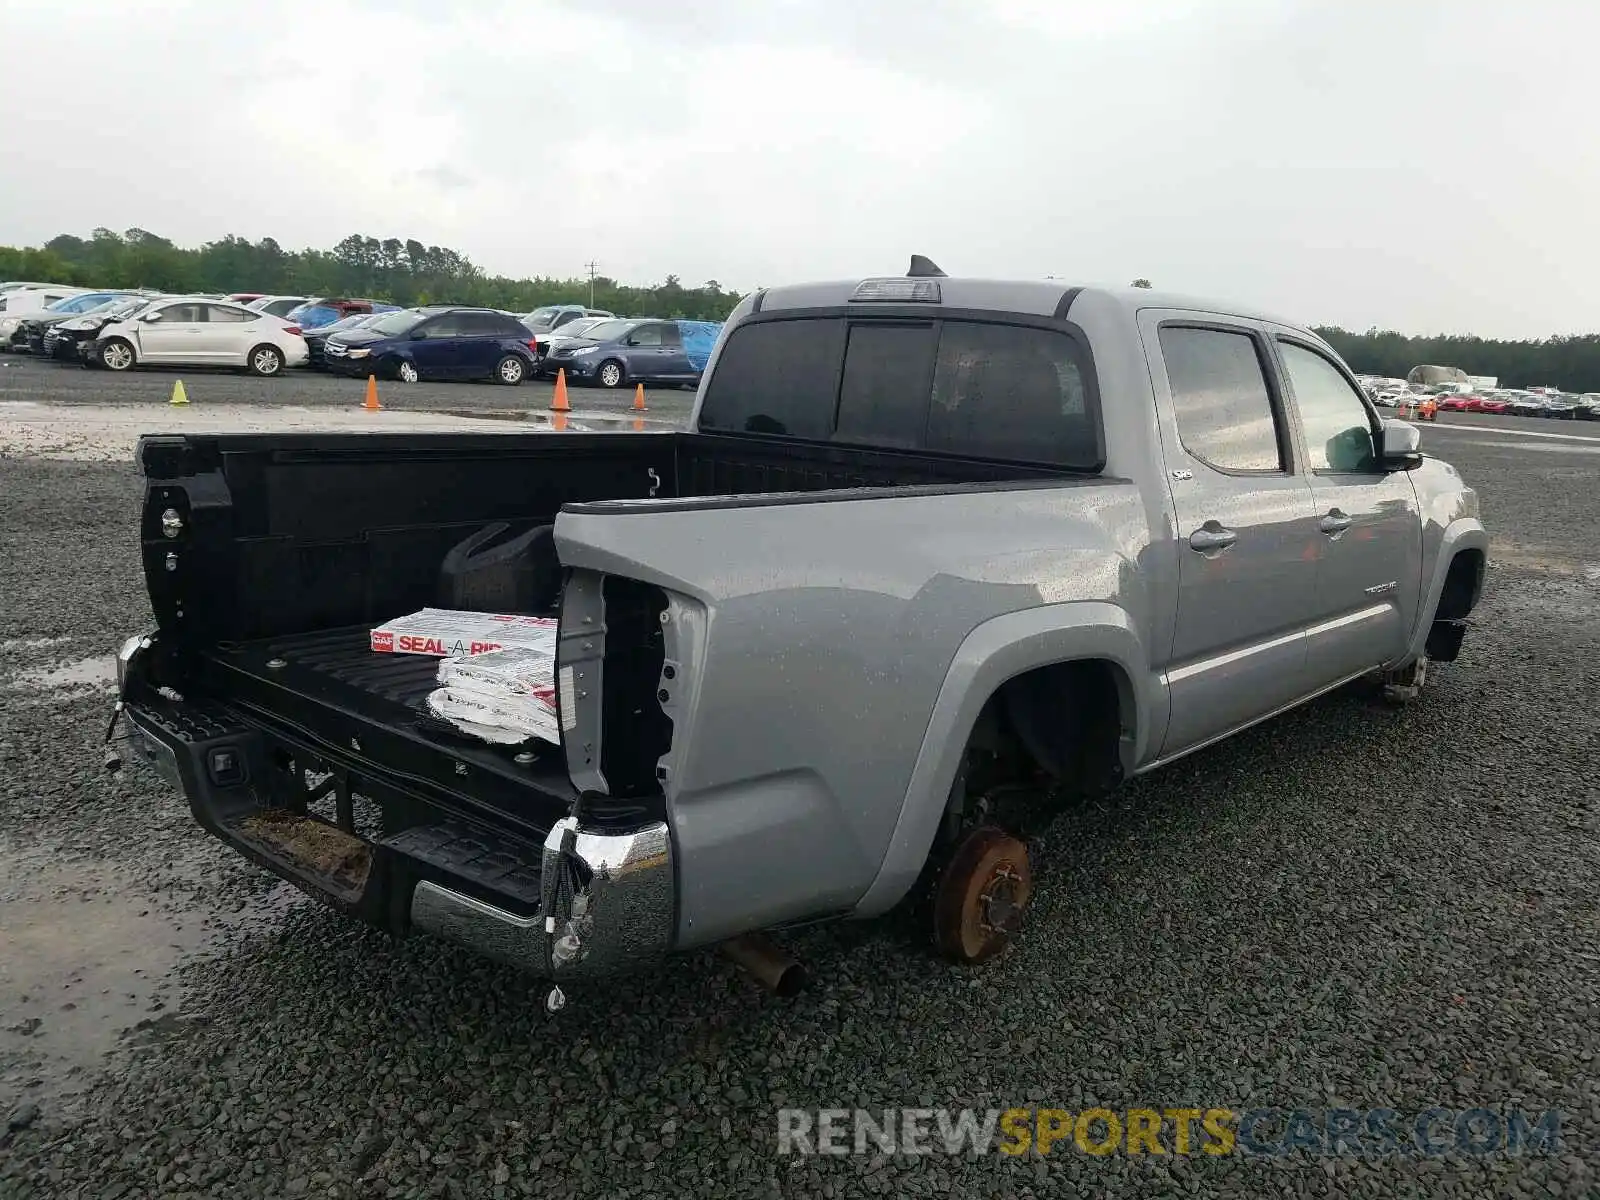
[[329, 690]]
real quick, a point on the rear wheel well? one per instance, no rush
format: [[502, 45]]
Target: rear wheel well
[[1043, 739]]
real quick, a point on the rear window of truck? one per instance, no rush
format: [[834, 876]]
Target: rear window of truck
[[976, 388]]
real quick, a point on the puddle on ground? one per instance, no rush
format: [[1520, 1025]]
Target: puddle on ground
[[574, 422], [97, 671], [28, 644], [87, 965]]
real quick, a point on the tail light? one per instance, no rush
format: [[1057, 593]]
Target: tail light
[[533, 344], [294, 329]]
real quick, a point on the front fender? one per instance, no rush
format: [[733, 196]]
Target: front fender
[[1462, 533], [995, 651]]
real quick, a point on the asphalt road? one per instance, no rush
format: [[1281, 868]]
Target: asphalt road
[[1350, 906]]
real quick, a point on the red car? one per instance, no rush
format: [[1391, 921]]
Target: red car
[[1492, 406], [1460, 403]]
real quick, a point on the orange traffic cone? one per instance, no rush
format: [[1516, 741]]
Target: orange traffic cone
[[372, 404], [559, 421], [559, 404], [638, 398]]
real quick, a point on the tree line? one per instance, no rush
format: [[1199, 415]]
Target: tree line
[[406, 272], [1571, 363], [392, 270]]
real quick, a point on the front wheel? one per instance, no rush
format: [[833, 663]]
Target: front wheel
[[117, 355], [406, 371], [265, 361], [610, 374], [510, 370]]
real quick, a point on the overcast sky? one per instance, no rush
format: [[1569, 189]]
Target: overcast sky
[[1417, 165]]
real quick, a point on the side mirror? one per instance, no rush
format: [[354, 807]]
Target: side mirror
[[1399, 446], [155, 316], [419, 335]]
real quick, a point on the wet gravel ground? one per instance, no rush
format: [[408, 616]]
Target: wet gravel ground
[[1351, 906]]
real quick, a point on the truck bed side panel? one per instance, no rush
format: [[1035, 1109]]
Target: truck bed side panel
[[829, 629]]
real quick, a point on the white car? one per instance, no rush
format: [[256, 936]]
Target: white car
[[278, 306], [24, 300], [195, 331]]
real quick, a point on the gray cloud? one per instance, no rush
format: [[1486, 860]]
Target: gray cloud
[[1420, 166]]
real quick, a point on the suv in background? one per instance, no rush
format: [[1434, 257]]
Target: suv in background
[[620, 352], [436, 342]]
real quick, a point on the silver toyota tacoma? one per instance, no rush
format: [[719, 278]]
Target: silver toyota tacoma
[[934, 558]]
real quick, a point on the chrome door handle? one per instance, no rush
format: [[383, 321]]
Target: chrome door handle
[[1212, 536], [1334, 523]]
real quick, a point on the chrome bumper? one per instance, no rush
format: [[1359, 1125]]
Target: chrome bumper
[[613, 911], [619, 918]]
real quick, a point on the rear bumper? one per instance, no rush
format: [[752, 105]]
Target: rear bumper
[[580, 903]]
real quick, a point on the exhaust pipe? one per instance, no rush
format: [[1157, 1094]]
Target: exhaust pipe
[[772, 966]]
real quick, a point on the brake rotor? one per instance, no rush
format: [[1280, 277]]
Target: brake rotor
[[982, 894]]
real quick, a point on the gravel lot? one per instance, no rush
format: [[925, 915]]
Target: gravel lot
[[1349, 906]]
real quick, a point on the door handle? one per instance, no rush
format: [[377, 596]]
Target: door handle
[[1212, 536], [1335, 523]]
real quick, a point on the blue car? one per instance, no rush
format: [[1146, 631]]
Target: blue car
[[630, 351], [325, 310], [436, 342]]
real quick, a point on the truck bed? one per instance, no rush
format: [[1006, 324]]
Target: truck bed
[[332, 694]]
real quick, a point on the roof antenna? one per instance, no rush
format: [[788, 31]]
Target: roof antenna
[[921, 267]]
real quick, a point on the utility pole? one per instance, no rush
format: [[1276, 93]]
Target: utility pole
[[591, 265]]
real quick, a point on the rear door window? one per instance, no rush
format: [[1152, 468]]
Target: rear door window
[[1220, 398], [478, 324], [183, 314], [445, 326]]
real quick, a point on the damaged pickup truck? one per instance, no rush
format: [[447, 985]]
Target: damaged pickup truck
[[933, 557]]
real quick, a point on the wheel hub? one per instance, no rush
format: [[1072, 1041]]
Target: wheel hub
[[982, 895]]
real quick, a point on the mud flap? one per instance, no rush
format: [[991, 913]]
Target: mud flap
[[1444, 640]]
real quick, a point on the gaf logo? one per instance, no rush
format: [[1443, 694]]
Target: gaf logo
[[383, 641]]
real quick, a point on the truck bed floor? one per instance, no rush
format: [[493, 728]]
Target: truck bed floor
[[329, 688]]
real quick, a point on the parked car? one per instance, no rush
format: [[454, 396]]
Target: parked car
[[436, 342], [29, 296], [1455, 403], [325, 310], [278, 306], [1588, 407], [1027, 565], [1525, 405], [552, 317], [22, 285], [18, 306], [571, 331], [73, 340], [30, 331], [1560, 407], [1492, 404], [189, 330], [317, 339], [621, 352]]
